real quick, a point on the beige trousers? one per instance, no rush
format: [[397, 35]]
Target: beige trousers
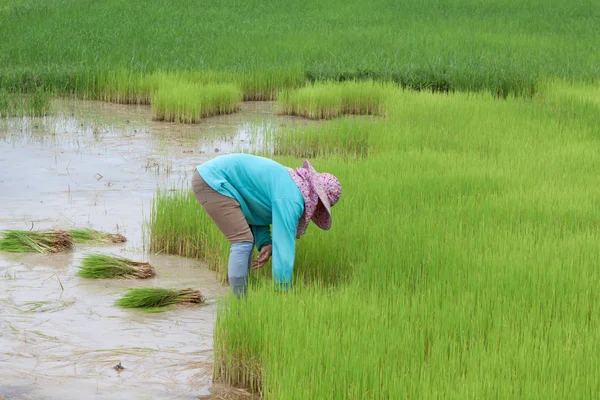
[[225, 211]]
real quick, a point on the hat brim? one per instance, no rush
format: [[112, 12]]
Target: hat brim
[[321, 192], [322, 217]]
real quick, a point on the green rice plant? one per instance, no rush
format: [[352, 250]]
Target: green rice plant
[[132, 87], [125, 86], [156, 299], [18, 105], [318, 102], [257, 84], [266, 83], [467, 49], [179, 225], [38, 103], [464, 249], [347, 137], [16, 241], [91, 236], [470, 232], [4, 103], [189, 103], [103, 266], [573, 102], [330, 100]]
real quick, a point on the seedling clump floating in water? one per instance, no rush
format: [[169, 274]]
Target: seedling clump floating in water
[[155, 299], [102, 266], [90, 236], [16, 241]]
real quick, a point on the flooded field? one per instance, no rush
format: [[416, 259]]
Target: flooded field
[[97, 165]]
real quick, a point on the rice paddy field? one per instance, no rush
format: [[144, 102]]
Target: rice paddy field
[[463, 257], [503, 46], [462, 261]]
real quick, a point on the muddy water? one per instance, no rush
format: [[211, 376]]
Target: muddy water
[[97, 165]]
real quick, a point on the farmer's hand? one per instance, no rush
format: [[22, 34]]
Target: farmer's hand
[[263, 257]]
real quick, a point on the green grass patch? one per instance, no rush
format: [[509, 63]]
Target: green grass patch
[[257, 84], [158, 299], [16, 241], [179, 225], [469, 232], [103, 266], [189, 103], [504, 48], [122, 86], [36, 104], [132, 86], [347, 137], [330, 100], [91, 236]]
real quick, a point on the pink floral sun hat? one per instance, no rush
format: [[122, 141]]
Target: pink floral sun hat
[[320, 193]]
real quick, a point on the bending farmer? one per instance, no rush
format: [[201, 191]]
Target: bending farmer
[[245, 194]]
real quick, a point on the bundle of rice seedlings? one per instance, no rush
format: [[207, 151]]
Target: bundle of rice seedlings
[[102, 266], [16, 241], [91, 236], [157, 298]]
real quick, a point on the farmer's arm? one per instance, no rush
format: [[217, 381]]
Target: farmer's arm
[[262, 235], [285, 222]]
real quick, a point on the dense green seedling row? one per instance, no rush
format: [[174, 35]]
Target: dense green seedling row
[[504, 46], [129, 86], [36, 104], [179, 225], [189, 103], [348, 137], [330, 100], [462, 261]]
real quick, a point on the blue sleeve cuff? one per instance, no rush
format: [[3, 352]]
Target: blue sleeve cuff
[[262, 236]]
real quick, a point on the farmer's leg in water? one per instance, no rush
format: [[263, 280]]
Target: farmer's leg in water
[[227, 215]]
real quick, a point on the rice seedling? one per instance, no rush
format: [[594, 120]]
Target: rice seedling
[[129, 86], [347, 137], [330, 100], [125, 87], [473, 239], [156, 299], [265, 83], [463, 258], [18, 105], [36, 104], [4, 102], [103, 266], [179, 225], [189, 103], [257, 85], [505, 52], [91, 236], [38, 242]]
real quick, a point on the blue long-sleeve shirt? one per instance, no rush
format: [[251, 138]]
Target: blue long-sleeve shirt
[[267, 196]]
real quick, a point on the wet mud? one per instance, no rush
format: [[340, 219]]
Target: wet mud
[[97, 165]]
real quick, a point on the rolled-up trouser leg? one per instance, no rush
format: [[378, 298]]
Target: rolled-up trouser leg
[[227, 214], [237, 268]]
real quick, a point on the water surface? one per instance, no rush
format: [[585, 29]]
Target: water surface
[[95, 164]]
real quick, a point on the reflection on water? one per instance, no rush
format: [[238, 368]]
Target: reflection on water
[[97, 165]]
